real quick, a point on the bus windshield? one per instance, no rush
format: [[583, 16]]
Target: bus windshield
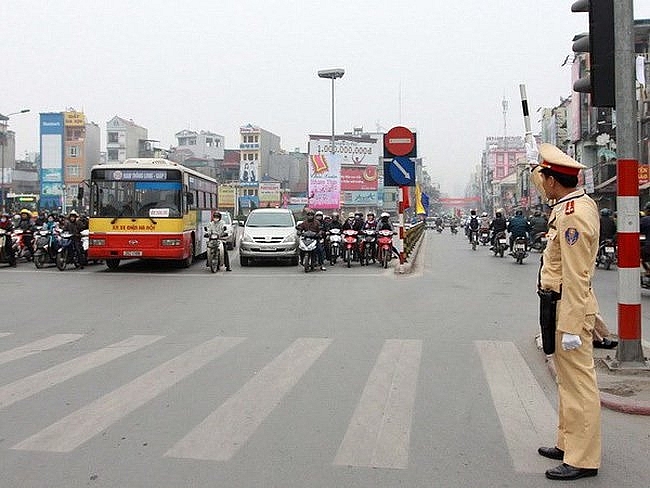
[[151, 199]]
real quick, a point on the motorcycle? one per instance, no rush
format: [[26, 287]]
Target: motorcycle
[[369, 247], [606, 254], [473, 239], [69, 252], [454, 229], [538, 242], [519, 249], [21, 250], [214, 253], [308, 243], [4, 258], [47, 244], [334, 244], [439, 229], [500, 244], [484, 237], [385, 246], [350, 248]]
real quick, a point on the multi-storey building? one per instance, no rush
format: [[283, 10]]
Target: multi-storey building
[[256, 146], [125, 139], [202, 151]]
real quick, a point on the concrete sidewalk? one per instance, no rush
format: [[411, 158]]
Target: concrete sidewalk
[[622, 391]]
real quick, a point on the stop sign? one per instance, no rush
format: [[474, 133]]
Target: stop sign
[[399, 141]]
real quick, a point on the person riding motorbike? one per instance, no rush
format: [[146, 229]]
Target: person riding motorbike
[[370, 222], [385, 224], [7, 225], [473, 224], [352, 222], [26, 224], [75, 226], [538, 223], [313, 225], [518, 227], [497, 225], [218, 227], [607, 225]]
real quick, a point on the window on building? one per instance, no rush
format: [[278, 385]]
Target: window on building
[[113, 154], [191, 141], [73, 170], [73, 151], [113, 138]]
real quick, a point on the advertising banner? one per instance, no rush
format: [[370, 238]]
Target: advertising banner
[[325, 181], [269, 192], [249, 172], [226, 197], [359, 178], [365, 151], [359, 198], [51, 128], [74, 119]]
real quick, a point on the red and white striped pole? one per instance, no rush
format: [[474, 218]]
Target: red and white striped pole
[[629, 352], [402, 202]]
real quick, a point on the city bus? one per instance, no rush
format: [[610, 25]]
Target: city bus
[[18, 201], [148, 208]]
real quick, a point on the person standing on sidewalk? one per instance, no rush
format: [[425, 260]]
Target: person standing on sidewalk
[[567, 268]]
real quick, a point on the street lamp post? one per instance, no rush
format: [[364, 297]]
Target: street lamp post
[[3, 143], [332, 74]]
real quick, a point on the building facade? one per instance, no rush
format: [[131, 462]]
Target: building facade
[[125, 139]]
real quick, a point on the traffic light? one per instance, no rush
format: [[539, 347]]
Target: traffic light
[[599, 43]]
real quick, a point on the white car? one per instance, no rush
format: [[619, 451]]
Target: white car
[[269, 233]]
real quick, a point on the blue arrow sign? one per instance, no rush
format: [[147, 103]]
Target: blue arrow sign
[[402, 171]]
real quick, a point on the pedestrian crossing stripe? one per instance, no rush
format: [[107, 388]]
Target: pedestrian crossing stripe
[[378, 432]]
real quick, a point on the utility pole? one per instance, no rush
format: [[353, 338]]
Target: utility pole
[[629, 354]]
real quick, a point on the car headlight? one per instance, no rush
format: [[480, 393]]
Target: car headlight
[[290, 239], [246, 238]]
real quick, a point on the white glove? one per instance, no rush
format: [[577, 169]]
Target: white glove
[[570, 341]]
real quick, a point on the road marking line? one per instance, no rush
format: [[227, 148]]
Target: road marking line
[[5, 334], [220, 435], [527, 417], [37, 346], [26, 387], [378, 435], [80, 426]]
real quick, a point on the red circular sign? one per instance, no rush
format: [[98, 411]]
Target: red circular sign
[[399, 141]]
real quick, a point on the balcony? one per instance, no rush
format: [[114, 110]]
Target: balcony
[[249, 145]]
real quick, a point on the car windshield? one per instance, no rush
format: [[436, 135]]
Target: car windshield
[[225, 218], [270, 219]]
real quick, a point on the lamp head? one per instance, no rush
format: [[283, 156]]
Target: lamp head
[[332, 74]]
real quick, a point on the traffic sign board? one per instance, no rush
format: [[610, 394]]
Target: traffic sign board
[[400, 141], [399, 171]]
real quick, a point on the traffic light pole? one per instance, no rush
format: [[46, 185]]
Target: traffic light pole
[[630, 352]]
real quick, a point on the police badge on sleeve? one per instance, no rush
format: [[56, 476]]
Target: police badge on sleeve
[[571, 235]]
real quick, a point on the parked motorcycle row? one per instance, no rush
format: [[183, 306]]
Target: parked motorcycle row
[[350, 246], [44, 247]]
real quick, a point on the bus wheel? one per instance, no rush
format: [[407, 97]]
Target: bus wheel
[[187, 262], [112, 264]]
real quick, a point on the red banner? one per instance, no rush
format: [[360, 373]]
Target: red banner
[[459, 202], [359, 178]]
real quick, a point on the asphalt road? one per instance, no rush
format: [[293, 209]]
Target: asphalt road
[[157, 376]]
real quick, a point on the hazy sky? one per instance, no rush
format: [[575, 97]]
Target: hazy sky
[[441, 67]]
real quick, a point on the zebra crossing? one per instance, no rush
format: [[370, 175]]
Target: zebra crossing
[[378, 433]]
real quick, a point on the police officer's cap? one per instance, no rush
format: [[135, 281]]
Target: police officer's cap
[[557, 161]]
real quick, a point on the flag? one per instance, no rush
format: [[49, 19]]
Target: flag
[[405, 198], [419, 208], [426, 202]]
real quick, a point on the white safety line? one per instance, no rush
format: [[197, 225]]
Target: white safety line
[[228, 428], [5, 334], [527, 417], [37, 346], [378, 435], [80, 426], [26, 387]]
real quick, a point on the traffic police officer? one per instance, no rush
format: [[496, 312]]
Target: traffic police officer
[[567, 268]]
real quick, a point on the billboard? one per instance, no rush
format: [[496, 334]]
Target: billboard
[[249, 172], [359, 178], [325, 181], [51, 129], [226, 196], [269, 192], [353, 151], [74, 119]]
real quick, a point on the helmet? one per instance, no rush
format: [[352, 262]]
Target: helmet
[[385, 215], [484, 214], [216, 214], [519, 212], [371, 215], [538, 213], [499, 214], [73, 213], [24, 210], [328, 217], [351, 215], [309, 211], [605, 212], [335, 215], [319, 213], [358, 214]]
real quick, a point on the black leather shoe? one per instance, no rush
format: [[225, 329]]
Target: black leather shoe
[[567, 472], [551, 453], [605, 344]]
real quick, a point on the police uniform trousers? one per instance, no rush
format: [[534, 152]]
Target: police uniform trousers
[[579, 400]]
